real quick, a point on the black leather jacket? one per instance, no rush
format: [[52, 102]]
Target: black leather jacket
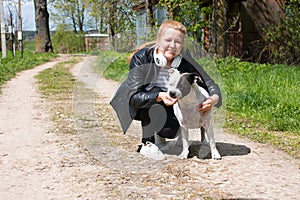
[[132, 96]]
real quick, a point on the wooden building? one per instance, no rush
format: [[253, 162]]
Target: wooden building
[[96, 41]]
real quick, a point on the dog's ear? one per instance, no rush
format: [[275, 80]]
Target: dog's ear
[[196, 78], [171, 71]]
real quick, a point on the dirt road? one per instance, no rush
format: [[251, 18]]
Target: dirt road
[[98, 162]]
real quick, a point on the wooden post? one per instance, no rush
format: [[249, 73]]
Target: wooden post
[[20, 34], [3, 39]]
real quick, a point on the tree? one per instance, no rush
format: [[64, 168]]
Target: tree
[[218, 29], [283, 39], [42, 36], [192, 13], [99, 14], [149, 13], [72, 12], [119, 18], [171, 6]]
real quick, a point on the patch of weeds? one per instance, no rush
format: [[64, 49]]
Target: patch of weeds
[[56, 85]]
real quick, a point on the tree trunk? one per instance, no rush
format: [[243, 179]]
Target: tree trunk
[[42, 34], [149, 14], [218, 40], [111, 25], [264, 13]]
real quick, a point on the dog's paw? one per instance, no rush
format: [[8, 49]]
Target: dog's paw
[[184, 155], [215, 154]]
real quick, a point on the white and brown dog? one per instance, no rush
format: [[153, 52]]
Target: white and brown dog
[[184, 87]]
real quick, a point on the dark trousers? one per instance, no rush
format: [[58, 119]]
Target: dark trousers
[[158, 119]]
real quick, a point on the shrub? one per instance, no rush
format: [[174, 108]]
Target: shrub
[[67, 41], [283, 40]]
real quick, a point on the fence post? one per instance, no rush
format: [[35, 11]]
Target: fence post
[[3, 39]]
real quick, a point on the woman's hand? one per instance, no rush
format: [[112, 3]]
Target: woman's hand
[[163, 96], [208, 104]]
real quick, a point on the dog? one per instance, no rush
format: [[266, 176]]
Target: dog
[[184, 86]]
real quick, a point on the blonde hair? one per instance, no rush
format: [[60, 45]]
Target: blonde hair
[[170, 24], [163, 27]]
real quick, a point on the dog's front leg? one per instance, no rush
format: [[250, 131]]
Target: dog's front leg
[[214, 151], [185, 143]]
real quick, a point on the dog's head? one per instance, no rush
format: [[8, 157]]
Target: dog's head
[[180, 84]]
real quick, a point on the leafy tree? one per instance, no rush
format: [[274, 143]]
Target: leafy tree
[[73, 12], [149, 13], [112, 17], [283, 40], [99, 14], [117, 15], [171, 6], [192, 13], [43, 40]]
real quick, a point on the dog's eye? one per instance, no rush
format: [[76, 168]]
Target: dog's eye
[[172, 83]]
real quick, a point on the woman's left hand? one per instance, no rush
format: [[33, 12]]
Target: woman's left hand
[[206, 106]]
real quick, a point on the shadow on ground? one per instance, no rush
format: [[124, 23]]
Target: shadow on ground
[[202, 150]]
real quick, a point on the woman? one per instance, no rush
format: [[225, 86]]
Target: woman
[[143, 95]]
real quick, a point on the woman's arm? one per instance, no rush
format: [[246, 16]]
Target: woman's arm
[[213, 89], [143, 99], [140, 67]]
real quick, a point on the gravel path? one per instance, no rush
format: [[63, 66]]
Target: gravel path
[[99, 162]]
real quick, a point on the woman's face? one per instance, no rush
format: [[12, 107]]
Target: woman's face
[[171, 43]]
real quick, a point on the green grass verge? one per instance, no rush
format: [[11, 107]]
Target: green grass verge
[[57, 82], [29, 45], [261, 100], [263, 93], [113, 65], [10, 66]]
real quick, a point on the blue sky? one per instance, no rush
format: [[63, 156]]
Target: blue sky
[[27, 12], [28, 16]]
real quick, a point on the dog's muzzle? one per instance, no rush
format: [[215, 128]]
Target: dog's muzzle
[[175, 94]]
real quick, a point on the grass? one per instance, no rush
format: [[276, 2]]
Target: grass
[[56, 85], [113, 65], [57, 82], [10, 66], [29, 45], [261, 100], [266, 94]]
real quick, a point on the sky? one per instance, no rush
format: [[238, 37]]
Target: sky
[[28, 16], [27, 13]]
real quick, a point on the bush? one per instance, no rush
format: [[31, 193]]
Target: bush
[[67, 41]]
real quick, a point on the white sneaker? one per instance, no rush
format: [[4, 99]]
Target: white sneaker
[[150, 150]]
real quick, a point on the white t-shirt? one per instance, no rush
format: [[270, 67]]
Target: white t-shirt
[[162, 80]]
